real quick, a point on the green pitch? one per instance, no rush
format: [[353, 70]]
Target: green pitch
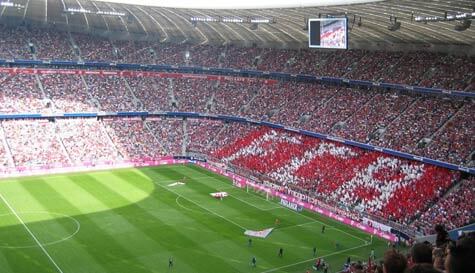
[[133, 221]]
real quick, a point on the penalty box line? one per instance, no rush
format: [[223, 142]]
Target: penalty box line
[[313, 220], [239, 199], [210, 211], [31, 234]]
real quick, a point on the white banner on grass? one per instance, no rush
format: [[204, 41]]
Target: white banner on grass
[[259, 233]]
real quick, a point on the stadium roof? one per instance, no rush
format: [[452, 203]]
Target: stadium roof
[[242, 4], [174, 25]]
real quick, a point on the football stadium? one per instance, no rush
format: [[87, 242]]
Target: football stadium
[[316, 136]]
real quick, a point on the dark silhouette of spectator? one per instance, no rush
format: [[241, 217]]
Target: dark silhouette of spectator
[[442, 236], [461, 257], [421, 253], [394, 262], [423, 268]]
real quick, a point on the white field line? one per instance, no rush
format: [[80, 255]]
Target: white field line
[[299, 225], [31, 233], [212, 212], [252, 205], [237, 198], [332, 227], [312, 259], [303, 215]]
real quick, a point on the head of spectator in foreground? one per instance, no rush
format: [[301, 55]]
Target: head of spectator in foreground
[[442, 236], [461, 256], [423, 268], [394, 262], [438, 256], [421, 253]]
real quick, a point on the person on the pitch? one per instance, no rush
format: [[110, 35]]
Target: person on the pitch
[[253, 261], [314, 251], [277, 221], [170, 262], [249, 242], [323, 229], [281, 252], [325, 268]]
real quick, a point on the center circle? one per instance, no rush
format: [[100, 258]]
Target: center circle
[[48, 227]]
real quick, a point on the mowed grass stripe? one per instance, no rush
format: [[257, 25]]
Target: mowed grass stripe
[[311, 216], [267, 252], [13, 233], [303, 233], [266, 246], [239, 247], [231, 209], [106, 246], [137, 239], [126, 209], [84, 248], [187, 241]]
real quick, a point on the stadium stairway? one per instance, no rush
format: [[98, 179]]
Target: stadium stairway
[[449, 120], [60, 140], [6, 146], [185, 137], [395, 119], [171, 93], [109, 139], [152, 133], [92, 101], [370, 99], [136, 102]]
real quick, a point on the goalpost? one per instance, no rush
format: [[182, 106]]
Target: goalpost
[[261, 193]]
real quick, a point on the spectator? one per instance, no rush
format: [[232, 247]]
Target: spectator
[[394, 262], [421, 253], [460, 258]]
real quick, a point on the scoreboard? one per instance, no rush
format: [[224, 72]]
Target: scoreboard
[[328, 33]]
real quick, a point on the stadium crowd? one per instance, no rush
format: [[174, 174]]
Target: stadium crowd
[[429, 126], [444, 255], [347, 177], [413, 68], [340, 175]]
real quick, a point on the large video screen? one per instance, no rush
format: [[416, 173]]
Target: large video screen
[[328, 33]]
